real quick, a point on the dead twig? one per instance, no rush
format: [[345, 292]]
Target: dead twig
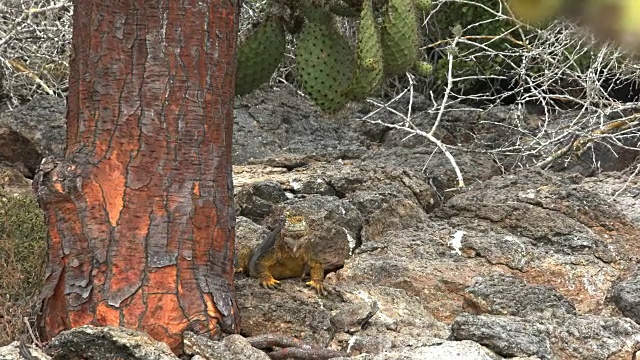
[[305, 354], [626, 184], [288, 347], [33, 337], [267, 341]]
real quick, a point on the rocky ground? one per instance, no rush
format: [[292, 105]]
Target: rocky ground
[[521, 264]]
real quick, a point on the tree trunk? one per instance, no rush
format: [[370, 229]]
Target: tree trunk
[[140, 212]]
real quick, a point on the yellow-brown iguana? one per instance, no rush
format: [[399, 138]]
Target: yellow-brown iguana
[[284, 253]]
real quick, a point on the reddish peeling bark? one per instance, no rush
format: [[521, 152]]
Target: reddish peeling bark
[[140, 215]]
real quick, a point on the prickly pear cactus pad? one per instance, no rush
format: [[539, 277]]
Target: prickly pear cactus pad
[[259, 55], [369, 67], [423, 5], [324, 60], [422, 68], [399, 37]]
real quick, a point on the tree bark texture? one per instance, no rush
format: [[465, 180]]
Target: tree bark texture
[[140, 212]]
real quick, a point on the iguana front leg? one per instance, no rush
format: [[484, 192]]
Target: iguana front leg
[[317, 276], [242, 259], [264, 275]]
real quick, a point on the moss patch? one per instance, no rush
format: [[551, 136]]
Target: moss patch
[[22, 262]]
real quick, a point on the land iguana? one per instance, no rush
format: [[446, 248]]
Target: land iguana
[[284, 253]]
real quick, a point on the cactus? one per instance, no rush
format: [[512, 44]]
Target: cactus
[[399, 37], [422, 68], [259, 55], [326, 65], [422, 5], [324, 60], [369, 59]]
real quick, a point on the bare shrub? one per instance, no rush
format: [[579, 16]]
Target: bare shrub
[[558, 82], [34, 48]]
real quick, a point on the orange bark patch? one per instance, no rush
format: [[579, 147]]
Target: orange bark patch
[[164, 309], [55, 307], [220, 233], [211, 306], [107, 315], [158, 332], [125, 281], [187, 286], [128, 258], [80, 317], [110, 172], [58, 187], [163, 280], [133, 311], [55, 241]]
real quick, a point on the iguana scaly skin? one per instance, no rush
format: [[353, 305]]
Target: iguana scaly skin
[[284, 253]]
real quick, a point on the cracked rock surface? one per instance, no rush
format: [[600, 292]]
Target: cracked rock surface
[[545, 267]]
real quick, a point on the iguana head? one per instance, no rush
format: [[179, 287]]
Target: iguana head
[[295, 225], [295, 228]]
